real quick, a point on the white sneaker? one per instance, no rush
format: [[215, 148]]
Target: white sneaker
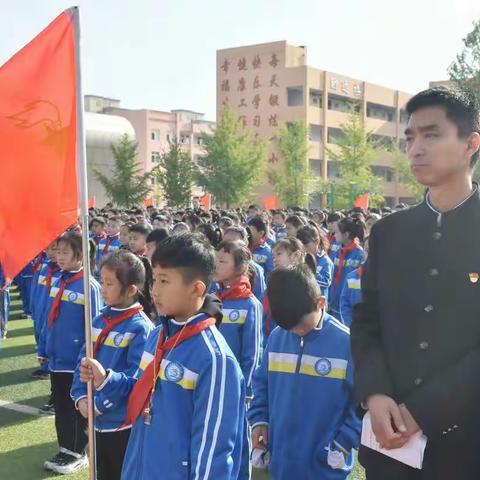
[[64, 463]]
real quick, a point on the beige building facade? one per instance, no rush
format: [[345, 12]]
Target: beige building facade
[[272, 84]]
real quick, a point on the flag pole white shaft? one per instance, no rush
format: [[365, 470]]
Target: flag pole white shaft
[[83, 200]]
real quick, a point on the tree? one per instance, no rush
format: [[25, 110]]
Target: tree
[[291, 182], [465, 70], [404, 174], [175, 175], [355, 150], [231, 166], [127, 186]]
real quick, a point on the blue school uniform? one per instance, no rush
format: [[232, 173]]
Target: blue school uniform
[[280, 231], [334, 249], [4, 303], [105, 246], [121, 351], [303, 392], [242, 328], [262, 254], [324, 272], [272, 238], [196, 427], [351, 295], [351, 261], [62, 343]]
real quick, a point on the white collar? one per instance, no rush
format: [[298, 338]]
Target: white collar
[[136, 304], [72, 271], [188, 321]]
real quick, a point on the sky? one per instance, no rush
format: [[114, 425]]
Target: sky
[[160, 54]]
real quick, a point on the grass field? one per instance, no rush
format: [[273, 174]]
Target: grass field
[[26, 441]]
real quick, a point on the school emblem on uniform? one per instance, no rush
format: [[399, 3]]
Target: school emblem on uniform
[[174, 372], [117, 340], [234, 316], [72, 296], [473, 277], [323, 367]]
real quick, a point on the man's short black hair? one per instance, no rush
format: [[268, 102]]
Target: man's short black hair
[[461, 108], [191, 253], [292, 293]]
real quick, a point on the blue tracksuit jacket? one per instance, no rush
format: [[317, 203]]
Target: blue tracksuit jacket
[[197, 422], [303, 391], [352, 261], [351, 295], [62, 343], [121, 351]]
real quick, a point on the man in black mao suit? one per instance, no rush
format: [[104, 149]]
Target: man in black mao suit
[[416, 333]]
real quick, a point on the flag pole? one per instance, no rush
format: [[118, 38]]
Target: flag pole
[[83, 201]]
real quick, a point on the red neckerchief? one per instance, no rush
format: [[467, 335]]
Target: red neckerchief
[[97, 238], [55, 309], [38, 261], [360, 271], [237, 290], [110, 323], [142, 253], [141, 396], [330, 238], [261, 243], [51, 269], [341, 260], [110, 239]]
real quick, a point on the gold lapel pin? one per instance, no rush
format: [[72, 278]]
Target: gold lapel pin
[[473, 277]]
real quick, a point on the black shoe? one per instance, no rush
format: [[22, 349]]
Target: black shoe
[[24, 316], [47, 409], [40, 374]]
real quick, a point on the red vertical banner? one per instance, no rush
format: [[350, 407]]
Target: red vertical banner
[[362, 201], [270, 202], [206, 201], [38, 141]]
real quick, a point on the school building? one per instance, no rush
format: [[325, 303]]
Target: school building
[[154, 129], [272, 84]]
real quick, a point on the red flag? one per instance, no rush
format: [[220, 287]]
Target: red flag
[[148, 202], [206, 201], [362, 201], [270, 202], [92, 201], [38, 140]]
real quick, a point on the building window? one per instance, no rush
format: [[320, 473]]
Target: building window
[[315, 167], [155, 135], [387, 174], [342, 104], [199, 140], [334, 135], [315, 98], [315, 133], [380, 112], [403, 116], [185, 139], [333, 170], [155, 157], [294, 96], [383, 141]]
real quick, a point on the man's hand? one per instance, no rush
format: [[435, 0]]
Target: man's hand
[[388, 423], [91, 369], [82, 406], [410, 423], [260, 437]]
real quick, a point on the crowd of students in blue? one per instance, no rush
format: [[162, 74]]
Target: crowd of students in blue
[[220, 340]]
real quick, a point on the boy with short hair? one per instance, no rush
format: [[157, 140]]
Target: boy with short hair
[[138, 239], [97, 229], [110, 243], [261, 251], [188, 399], [302, 411], [278, 224]]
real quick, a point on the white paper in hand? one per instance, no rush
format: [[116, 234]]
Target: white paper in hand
[[410, 454]]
